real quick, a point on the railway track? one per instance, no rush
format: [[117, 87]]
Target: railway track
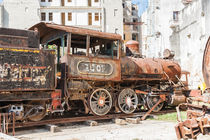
[[85, 118]]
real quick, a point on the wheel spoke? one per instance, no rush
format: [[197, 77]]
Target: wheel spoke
[[95, 98], [152, 100], [127, 101], [100, 102]]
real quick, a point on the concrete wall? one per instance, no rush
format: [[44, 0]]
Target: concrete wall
[[187, 36], [193, 34], [110, 11], [1, 15], [156, 28], [72, 3], [113, 12], [20, 14], [129, 14]]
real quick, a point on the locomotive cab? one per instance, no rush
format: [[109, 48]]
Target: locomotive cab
[[89, 54]]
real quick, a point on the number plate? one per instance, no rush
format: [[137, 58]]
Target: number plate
[[86, 67]]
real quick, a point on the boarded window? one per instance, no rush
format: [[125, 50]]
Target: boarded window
[[96, 16], [89, 2], [69, 16], [134, 36], [89, 18], [69, 0], [100, 18], [50, 16], [42, 0], [62, 3], [63, 18], [49, 0], [96, 0], [175, 15], [115, 12], [43, 16]]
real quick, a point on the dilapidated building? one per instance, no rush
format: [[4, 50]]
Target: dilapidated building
[[131, 21], [179, 25], [20, 14], [93, 14]]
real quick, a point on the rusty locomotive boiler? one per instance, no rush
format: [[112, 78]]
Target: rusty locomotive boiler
[[81, 70]]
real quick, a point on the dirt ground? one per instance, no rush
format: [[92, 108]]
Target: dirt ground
[[146, 130]]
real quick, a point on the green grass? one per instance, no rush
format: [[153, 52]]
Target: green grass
[[169, 116]]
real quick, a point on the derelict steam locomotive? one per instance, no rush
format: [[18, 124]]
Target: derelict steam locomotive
[[56, 69]]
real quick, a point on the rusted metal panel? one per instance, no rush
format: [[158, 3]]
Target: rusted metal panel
[[82, 67], [18, 38], [198, 117], [177, 98], [45, 28], [23, 96], [26, 69], [149, 69], [13, 41], [140, 68], [206, 64]]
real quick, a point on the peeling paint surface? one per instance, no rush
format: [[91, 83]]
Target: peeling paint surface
[[23, 68]]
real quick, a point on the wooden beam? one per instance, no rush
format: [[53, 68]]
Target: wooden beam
[[69, 43], [87, 45]]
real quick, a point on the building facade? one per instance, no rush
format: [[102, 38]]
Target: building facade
[[190, 35], [20, 14], [102, 15], [156, 28], [181, 26], [131, 20], [85, 13]]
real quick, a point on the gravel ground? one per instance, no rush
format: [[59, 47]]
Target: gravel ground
[[146, 130]]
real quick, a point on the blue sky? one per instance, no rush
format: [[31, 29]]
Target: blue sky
[[142, 4], [0, 1]]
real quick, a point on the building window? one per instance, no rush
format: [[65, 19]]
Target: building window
[[69, 16], [135, 19], [96, 16], [89, 2], [43, 16], [116, 30], [115, 12], [49, 0], [175, 15], [42, 0], [96, 0], [134, 37], [62, 2], [89, 18], [50, 16], [100, 18], [69, 0]]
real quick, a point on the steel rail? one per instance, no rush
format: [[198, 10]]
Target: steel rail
[[84, 118]]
